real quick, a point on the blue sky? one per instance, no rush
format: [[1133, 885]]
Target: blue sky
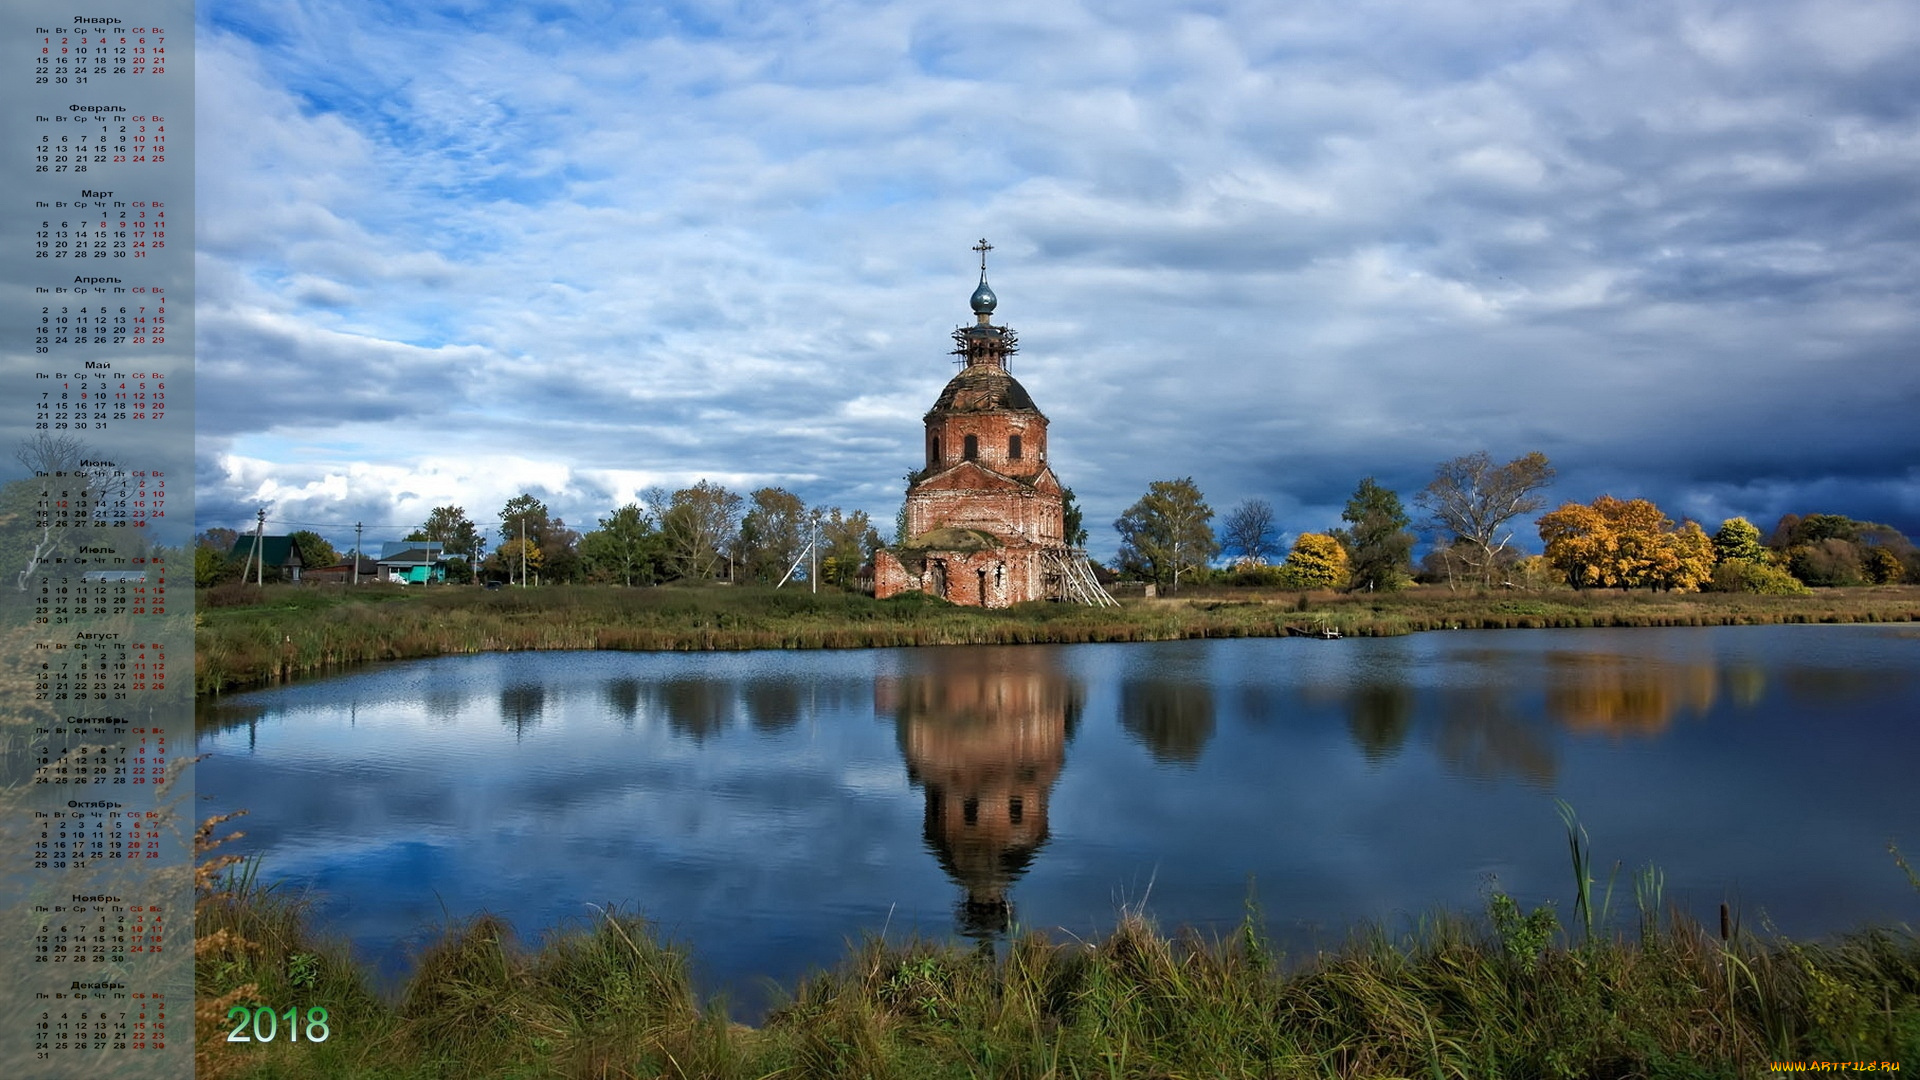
[[451, 252]]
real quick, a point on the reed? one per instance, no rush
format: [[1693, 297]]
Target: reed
[[1452, 998]]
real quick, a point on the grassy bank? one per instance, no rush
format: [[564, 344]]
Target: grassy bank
[[252, 637], [1513, 997]]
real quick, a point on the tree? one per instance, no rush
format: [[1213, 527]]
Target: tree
[[1737, 538], [1691, 559], [1378, 544], [518, 557], [1165, 533], [773, 534], [701, 525], [1073, 526], [1247, 532], [1882, 566], [846, 542], [1626, 544], [453, 531], [314, 549], [1472, 501], [55, 508], [1317, 561], [1580, 545], [623, 547], [523, 517], [1829, 561], [900, 530]]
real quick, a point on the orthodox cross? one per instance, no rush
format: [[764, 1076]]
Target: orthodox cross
[[983, 247]]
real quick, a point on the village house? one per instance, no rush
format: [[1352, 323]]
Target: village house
[[413, 562], [278, 554]]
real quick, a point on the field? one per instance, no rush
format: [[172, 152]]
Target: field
[[248, 637]]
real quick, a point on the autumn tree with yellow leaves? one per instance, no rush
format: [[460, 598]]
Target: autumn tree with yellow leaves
[[1616, 543], [1317, 561]]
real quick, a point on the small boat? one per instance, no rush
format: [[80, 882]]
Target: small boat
[[1325, 633]]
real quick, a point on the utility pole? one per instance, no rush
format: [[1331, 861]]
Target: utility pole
[[260, 547], [356, 552], [813, 553]]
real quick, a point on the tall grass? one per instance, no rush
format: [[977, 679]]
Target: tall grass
[[282, 632], [1454, 998]]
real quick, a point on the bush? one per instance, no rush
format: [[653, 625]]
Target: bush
[[1263, 577], [231, 594], [1826, 562], [1743, 575]]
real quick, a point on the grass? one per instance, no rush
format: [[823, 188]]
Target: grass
[[1455, 998], [247, 637]]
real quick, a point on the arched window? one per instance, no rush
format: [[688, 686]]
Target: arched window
[[1013, 447], [971, 448], [933, 452]]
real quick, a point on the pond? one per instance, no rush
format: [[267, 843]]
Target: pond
[[766, 808]]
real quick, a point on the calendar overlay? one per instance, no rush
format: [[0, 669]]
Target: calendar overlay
[[96, 526]]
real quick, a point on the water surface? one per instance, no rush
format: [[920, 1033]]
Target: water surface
[[767, 807]]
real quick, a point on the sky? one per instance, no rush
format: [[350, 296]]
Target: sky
[[450, 252]]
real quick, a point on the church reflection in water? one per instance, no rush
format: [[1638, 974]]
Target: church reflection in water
[[984, 732]]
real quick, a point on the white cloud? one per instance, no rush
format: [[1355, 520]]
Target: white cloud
[[1278, 249]]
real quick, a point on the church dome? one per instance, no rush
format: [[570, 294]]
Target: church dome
[[983, 299], [983, 389]]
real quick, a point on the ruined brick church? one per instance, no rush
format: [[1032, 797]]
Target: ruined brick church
[[985, 516]]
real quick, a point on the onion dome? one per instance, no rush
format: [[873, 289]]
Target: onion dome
[[983, 299]]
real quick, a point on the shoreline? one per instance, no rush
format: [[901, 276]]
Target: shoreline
[[291, 632], [1513, 993]]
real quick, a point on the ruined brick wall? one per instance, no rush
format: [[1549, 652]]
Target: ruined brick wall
[[993, 434], [1036, 517], [994, 578]]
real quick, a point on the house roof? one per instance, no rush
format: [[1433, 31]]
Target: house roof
[[425, 555], [275, 550], [394, 547]]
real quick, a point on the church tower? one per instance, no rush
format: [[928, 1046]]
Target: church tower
[[985, 514]]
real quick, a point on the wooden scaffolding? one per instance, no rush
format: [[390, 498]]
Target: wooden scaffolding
[[1071, 579]]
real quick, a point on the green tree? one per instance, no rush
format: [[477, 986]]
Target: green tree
[[1830, 561], [1317, 561], [1165, 533], [772, 534], [1473, 501], [457, 536], [315, 551], [523, 517], [701, 526], [1737, 538], [1379, 547], [213, 560], [1074, 527], [558, 546], [624, 547], [1247, 533], [846, 542]]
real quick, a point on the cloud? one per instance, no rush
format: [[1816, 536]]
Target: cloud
[[1277, 250]]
